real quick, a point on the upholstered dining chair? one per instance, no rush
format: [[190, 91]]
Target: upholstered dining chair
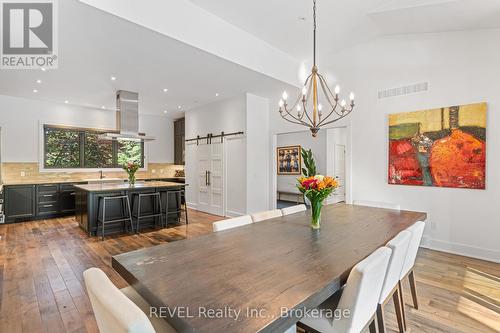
[[231, 223], [268, 214], [293, 209], [117, 313], [386, 205], [417, 230], [390, 288], [360, 296]]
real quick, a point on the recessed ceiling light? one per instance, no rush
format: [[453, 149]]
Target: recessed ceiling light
[[165, 90], [66, 102], [35, 91], [113, 78], [216, 94], [38, 81], [43, 69]]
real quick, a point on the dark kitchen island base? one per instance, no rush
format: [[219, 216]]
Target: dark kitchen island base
[[87, 197]]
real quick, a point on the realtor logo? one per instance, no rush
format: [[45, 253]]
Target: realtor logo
[[28, 38]]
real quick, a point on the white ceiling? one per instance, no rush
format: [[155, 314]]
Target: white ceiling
[[94, 45], [343, 23]]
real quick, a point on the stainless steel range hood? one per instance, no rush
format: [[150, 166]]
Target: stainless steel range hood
[[127, 118]]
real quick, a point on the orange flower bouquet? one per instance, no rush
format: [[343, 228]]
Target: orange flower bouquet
[[316, 189]]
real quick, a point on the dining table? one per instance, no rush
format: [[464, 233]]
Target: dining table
[[261, 277]]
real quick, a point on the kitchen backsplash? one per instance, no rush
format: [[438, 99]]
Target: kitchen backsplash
[[25, 172]]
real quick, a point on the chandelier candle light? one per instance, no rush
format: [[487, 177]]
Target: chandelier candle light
[[314, 84]]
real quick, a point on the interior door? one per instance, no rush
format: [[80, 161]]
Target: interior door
[[211, 178], [339, 166], [203, 167]]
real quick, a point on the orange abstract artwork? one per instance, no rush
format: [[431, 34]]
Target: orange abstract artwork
[[441, 147]]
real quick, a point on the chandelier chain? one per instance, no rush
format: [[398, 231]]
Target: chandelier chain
[[314, 32]]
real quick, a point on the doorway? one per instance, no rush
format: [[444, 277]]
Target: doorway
[[331, 151]]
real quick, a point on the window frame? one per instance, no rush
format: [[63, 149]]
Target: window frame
[[82, 130]]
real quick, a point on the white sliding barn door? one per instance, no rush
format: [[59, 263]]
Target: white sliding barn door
[[211, 178]]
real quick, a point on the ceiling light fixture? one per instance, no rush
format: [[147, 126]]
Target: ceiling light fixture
[[165, 90], [113, 78], [66, 102], [35, 91], [39, 81], [336, 110], [216, 94], [165, 111], [179, 107], [103, 107], [43, 69]]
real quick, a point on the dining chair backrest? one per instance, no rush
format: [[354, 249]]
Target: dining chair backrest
[[417, 230], [114, 312], [362, 291], [268, 214], [293, 209], [232, 223], [399, 247], [386, 205]]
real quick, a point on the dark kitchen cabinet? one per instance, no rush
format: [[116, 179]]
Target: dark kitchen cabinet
[[179, 141], [30, 202], [19, 202]]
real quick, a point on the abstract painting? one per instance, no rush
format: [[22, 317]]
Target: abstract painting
[[443, 147], [289, 160]]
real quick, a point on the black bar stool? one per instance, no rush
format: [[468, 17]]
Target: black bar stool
[[126, 212], [157, 209], [180, 197]]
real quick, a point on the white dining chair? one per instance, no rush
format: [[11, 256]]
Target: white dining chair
[[268, 214], [231, 223], [417, 230], [390, 288], [386, 205], [117, 313], [360, 296], [293, 209]]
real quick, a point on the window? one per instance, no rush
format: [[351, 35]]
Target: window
[[66, 148]]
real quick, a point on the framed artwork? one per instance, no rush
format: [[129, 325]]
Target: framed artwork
[[443, 147], [289, 160]]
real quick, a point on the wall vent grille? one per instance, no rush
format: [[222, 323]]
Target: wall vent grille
[[403, 91]]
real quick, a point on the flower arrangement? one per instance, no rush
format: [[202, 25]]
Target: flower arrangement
[[131, 168], [316, 188]]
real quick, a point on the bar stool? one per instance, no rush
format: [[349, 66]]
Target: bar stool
[[180, 196], [101, 206], [157, 209]]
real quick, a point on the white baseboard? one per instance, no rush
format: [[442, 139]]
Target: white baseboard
[[192, 205], [461, 249], [231, 213]]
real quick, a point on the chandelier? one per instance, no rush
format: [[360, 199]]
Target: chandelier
[[314, 84]]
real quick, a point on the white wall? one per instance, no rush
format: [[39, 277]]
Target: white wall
[[462, 68], [258, 145], [229, 116], [20, 120]]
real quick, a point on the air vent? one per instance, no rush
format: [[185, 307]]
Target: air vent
[[403, 91]]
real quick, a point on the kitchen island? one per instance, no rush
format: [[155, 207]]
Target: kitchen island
[[87, 197]]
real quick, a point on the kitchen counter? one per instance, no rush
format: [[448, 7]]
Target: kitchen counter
[[126, 186], [87, 198], [67, 181]]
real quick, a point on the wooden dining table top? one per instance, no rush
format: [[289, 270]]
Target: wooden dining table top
[[268, 271]]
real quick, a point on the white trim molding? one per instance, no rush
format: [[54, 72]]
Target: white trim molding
[[462, 249]]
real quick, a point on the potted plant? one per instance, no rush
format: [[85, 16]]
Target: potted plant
[[131, 168]]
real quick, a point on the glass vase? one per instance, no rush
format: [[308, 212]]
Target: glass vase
[[316, 206], [131, 179]]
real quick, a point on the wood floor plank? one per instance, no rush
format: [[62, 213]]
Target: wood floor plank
[[42, 288]]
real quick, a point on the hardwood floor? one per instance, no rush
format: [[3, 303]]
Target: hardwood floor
[[42, 289]]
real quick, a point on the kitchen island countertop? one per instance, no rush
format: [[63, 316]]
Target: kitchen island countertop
[[106, 187]]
